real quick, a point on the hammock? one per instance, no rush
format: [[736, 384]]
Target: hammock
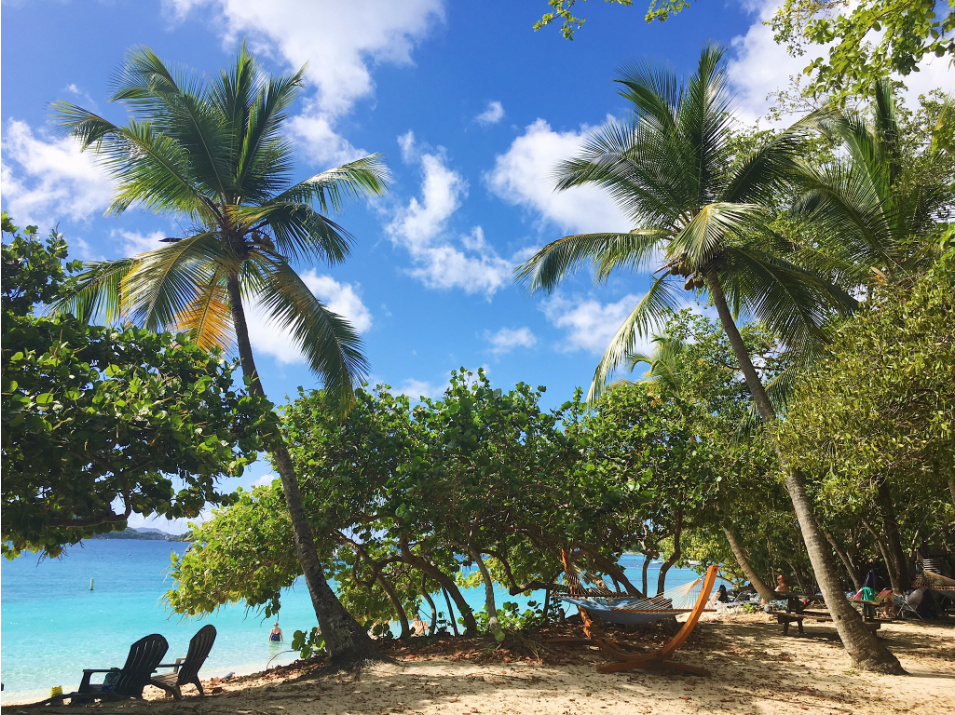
[[625, 610], [942, 585]]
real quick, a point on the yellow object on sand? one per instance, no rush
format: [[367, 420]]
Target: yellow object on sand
[[58, 690]]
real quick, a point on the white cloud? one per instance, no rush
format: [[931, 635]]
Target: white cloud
[[340, 298], [524, 176], [416, 389], [761, 66], [492, 115], [133, 243], [589, 324], [340, 41], [506, 339], [265, 480], [468, 262], [51, 178], [407, 144]]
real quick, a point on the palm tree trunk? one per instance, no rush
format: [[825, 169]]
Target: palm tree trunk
[[764, 591], [866, 651], [345, 640]]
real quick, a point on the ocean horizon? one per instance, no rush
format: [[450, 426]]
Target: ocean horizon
[[53, 625]]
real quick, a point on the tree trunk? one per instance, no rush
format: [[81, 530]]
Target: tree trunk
[[546, 604], [611, 569], [895, 578], [446, 582], [846, 561], [493, 624], [951, 485], [764, 591], [893, 537], [674, 557], [866, 651], [389, 590], [646, 568], [454, 623], [345, 639], [434, 610]]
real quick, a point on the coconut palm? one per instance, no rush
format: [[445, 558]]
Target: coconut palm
[[701, 210], [872, 215], [211, 154]]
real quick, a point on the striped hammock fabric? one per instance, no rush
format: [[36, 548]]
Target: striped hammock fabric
[[625, 610]]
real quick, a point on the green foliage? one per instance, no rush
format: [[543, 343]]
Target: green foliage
[[882, 403], [866, 40], [98, 422], [563, 11], [308, 644], [244, 553]]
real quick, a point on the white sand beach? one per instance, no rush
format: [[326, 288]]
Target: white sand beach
[[755, 669]]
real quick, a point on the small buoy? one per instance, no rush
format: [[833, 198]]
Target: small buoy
[[91, 584]]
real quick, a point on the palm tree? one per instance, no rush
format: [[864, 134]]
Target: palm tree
[[669, 363], [864, 204], [671, 168], [212, 154]]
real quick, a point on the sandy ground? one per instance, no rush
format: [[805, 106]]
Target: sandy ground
[[755, 669]]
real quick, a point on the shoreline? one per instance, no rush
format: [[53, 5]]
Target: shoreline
[[754, 669]]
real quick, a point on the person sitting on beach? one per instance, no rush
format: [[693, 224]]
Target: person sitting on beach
[[276, 635], [781, 587], [418, 626]]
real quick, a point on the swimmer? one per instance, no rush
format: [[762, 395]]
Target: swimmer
[[276, 634]]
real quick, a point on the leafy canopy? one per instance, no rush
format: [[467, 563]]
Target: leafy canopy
[[99, 423]]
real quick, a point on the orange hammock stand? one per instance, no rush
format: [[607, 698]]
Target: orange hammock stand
[[625, 660]]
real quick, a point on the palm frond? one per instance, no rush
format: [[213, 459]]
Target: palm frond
[[791, 301], [330, 344], [165, 282], [705, 235], [298, 231], [332, 189], [659, 299], [545, 269], [208, 318], [96, 295]]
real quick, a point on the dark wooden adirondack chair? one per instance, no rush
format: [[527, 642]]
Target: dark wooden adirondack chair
[[144, 657], [186, 670]]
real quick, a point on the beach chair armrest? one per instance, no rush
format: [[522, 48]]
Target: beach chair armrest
[[175, 666], [88, 673]]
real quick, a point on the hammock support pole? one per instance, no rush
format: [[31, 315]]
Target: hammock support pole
[[660, 659]]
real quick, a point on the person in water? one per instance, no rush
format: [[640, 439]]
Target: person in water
[[276, 634]]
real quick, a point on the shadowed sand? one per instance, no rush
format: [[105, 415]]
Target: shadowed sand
[[755, 670]]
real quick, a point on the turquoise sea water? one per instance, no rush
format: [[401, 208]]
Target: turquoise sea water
[[53, 626]]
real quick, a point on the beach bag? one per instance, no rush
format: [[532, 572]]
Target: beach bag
[[109, 682]]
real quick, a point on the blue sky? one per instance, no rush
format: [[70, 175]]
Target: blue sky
[[471, 108]]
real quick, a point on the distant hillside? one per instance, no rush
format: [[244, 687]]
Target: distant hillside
[[142, 535]]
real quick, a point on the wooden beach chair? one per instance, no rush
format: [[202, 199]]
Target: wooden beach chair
[[144, 657], [186, 670], [626, 610]]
